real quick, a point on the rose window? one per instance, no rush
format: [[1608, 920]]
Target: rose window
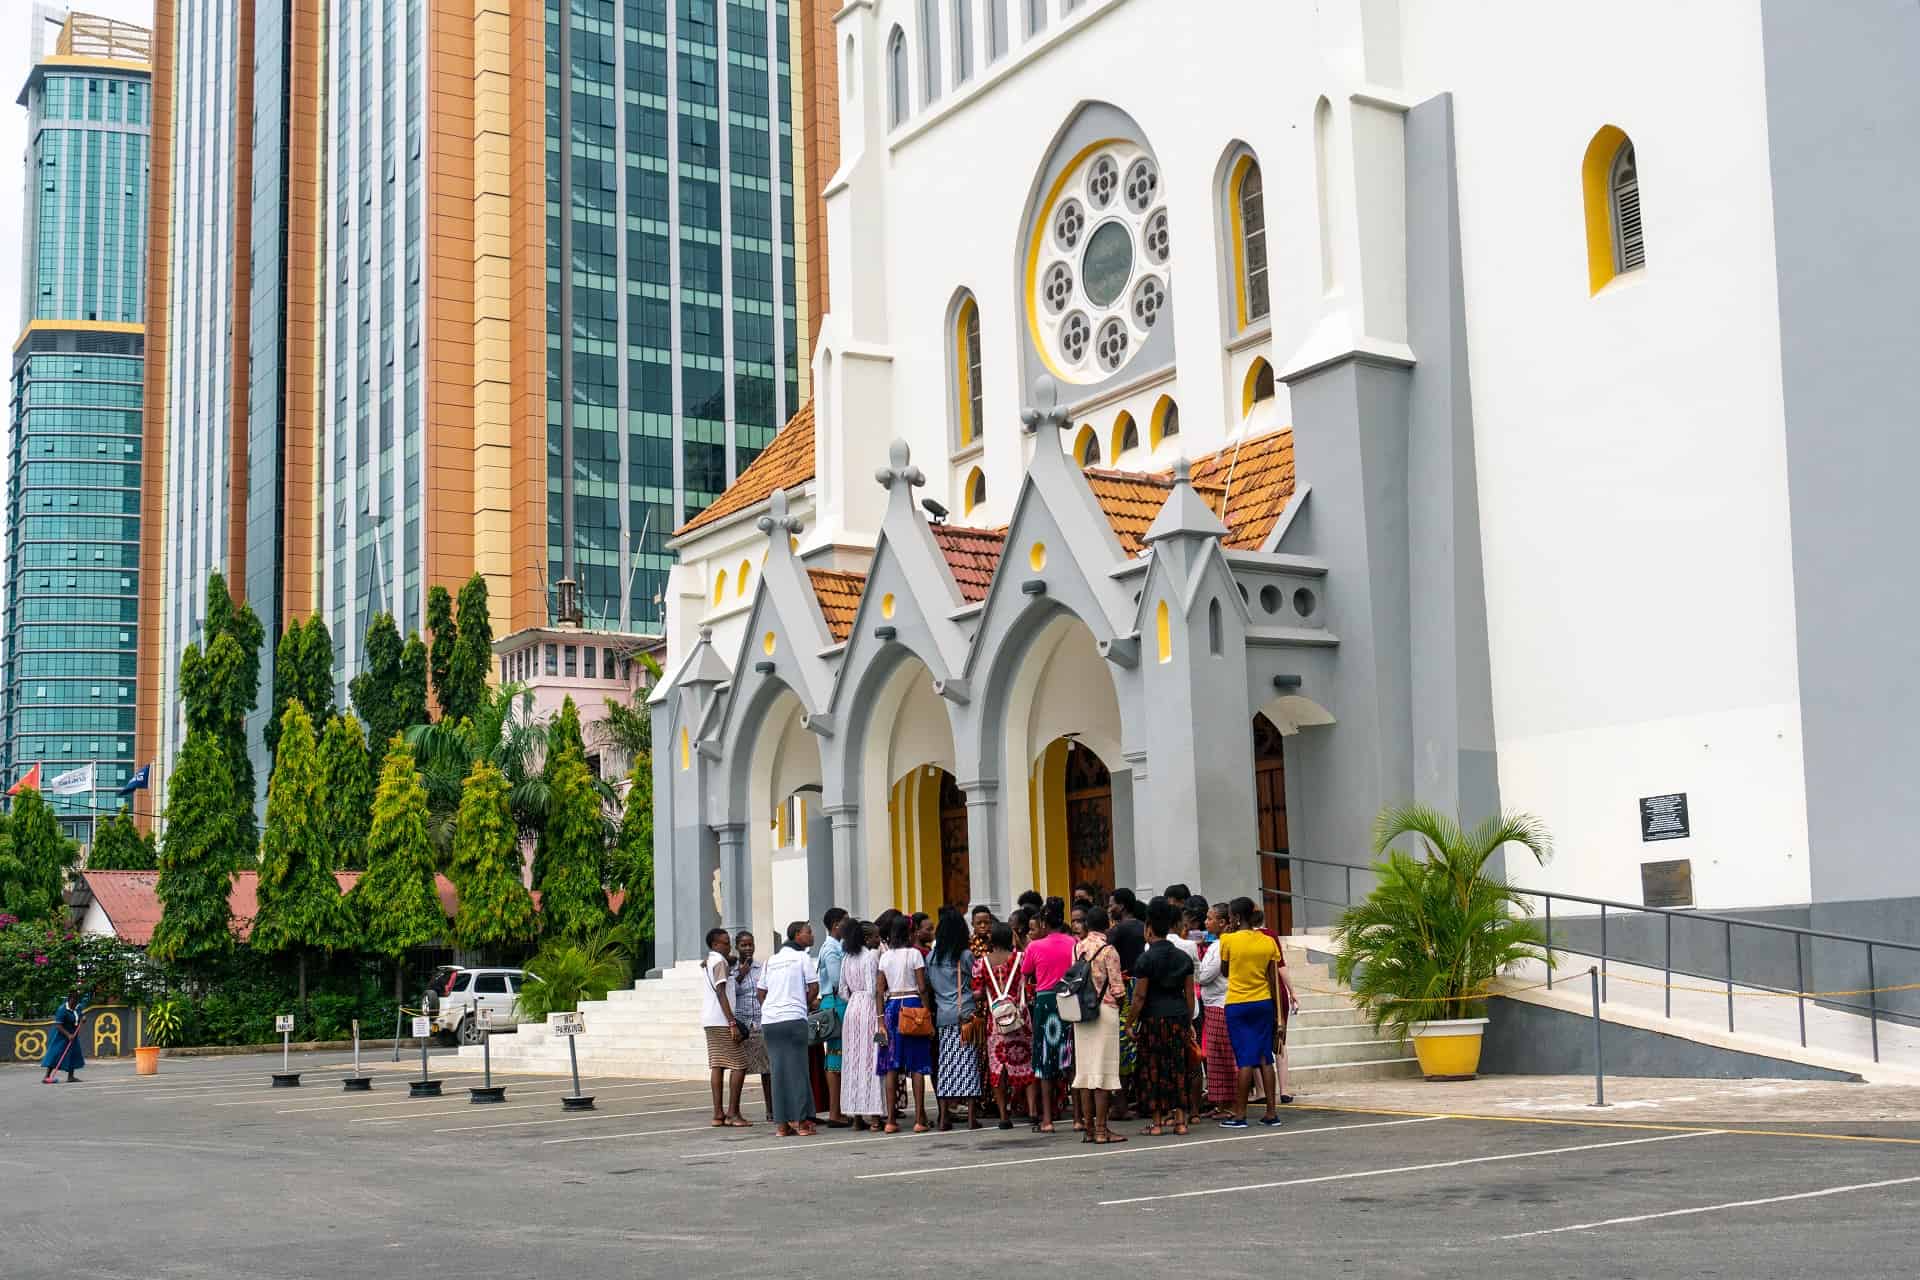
[[1100, 271]]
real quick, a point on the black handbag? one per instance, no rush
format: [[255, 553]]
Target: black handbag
[[823, 1024]]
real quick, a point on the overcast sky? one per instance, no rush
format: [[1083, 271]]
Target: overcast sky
[[16, 41]]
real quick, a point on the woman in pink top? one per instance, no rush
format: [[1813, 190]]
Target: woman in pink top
[[1048, 955]]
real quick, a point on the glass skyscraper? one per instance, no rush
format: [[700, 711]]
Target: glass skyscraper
[[68, 672], [673, 300]]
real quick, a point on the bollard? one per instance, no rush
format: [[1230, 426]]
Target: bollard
[[577, 1101], [424, 1087], [356, 1083], [1599, 1069], [286, 1077], [488, 1091]]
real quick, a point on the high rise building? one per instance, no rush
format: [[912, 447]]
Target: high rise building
[[74, 566], [391, 361]]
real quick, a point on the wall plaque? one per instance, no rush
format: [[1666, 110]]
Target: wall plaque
[[1667, 884], [1664, 817]]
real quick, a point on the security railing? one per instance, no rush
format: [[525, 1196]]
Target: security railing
[[1874, 978]]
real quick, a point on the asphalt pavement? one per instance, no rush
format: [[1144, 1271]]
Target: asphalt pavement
[[206, 1171]]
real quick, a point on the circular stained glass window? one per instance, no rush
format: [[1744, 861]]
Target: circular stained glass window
[[1100, 264], [1108, 264]]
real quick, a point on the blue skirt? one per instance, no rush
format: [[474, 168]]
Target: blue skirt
[[1250, 1028], [839, 1005], [911, 1054]]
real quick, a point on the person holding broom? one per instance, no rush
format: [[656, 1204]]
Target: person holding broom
[[63, 1048]]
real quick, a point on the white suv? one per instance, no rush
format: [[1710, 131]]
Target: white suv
[[461, 990]]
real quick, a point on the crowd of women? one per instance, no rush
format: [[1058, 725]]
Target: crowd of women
[[1173, 1009]]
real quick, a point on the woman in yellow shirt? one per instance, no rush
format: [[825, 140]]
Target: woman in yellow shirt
[[1252, 961]]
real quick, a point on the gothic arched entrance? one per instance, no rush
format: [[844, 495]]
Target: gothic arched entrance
[[956, 868], [1270, 806], [1089, 793]]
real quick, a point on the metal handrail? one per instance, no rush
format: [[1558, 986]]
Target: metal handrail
[[1728, 923]]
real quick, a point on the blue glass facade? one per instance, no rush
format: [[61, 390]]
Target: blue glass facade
[[671, 349], [74, 447]]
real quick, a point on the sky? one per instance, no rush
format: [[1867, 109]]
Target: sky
[[16, 42]]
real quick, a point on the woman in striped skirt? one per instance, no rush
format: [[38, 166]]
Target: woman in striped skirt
[[956, 1074]]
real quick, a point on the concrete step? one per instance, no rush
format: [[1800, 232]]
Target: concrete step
[[1304, 1080], [1339, 1052], [1332, 1032]]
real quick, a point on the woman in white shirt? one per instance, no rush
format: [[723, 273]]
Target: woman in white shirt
[[725, 1042], [788, 989], [901, 997], [1217, 1048]]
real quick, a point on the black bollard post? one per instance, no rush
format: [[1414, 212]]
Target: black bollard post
[[488, 1091], [570, 1026], [356, 1083], [423, 1087]]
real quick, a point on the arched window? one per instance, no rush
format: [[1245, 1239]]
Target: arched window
[[1086, 446], [899, 100], [1165, 423], [719, 586], [1216, 640], [740, 578], [962, 42], [976, 491], [968, 409], [848, 80], [1247, 215], [1629, 248], [929, 50], [1163, 632], [1257, 387], [1126, 435], [1610, 190]]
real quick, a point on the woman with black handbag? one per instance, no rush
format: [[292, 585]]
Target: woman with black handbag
[[959, 1032]]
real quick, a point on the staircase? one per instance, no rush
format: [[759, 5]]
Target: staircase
[[653, 1030]]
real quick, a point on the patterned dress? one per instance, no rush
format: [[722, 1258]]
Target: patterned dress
[[860, 1092], [1009, 1053]]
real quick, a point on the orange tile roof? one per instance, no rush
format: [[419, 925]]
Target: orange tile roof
[[1257, 481], [839, 595], [785, 462], [972, 555]]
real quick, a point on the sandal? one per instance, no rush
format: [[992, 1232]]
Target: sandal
[[1108, 1137], [891, 1127], [919, 1126], [1179, 1131], [1153, 1131], [1005, 1123], [739, 1124], [1044, 1128]]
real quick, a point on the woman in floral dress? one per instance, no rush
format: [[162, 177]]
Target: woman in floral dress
[[1009, 1052], [860, 1091]]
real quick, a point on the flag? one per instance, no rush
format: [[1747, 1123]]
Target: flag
[[140, 780], [31, 778], [74, 782]]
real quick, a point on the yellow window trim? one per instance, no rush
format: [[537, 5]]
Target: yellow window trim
[[1120, 425], [1238, 235], [1163, 631], [1040, 224], [967, 503], [1251, 382], [1596, 197], [1082, 439], [740, 578], [963, 382], [686, 750], [1157, 423], [720, 586]]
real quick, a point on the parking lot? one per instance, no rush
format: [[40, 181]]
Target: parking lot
[[204, 1170]]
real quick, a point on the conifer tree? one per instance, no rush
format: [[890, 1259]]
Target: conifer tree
[[300, 907], [412, 688], [376, 690], [119, 846], [472, 658], [203, 845], [346, 788], [494, 907], [219, 687], [633, 853], [444, 636], [316, 674], [397, 900], [289, 683], [35, 860], [563, 735], [573, 902]]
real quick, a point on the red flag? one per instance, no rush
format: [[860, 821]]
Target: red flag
[[31, 778]]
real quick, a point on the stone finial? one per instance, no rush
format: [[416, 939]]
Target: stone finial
[[1182, 470], [1184, 511], [1045, 408], [900, 468], [777, 522]]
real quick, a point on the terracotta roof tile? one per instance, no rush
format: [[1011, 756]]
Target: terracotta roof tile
[[972, 556], [1257, 481], [785, 462], [839, 594]]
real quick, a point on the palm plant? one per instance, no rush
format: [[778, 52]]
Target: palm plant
[[1436, 931], [503, 732], [565, 972], [627, 728]]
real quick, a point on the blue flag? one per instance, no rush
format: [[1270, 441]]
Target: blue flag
[[138, 782]]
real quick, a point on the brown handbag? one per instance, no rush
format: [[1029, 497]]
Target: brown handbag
[[916, 1020]]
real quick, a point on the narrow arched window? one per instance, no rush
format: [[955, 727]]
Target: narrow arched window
[[1126, 435], [720, 586], [1250, 248], [962, 42], [968, 408], [899, 101], [1166, 422], [740, 578], [1216, 640], [976, 492], [1086, 447], [1629, 249], [1259, 386], [929, 50]]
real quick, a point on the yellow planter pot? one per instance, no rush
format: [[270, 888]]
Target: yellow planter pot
[[1449, 1050], [146, 1060]]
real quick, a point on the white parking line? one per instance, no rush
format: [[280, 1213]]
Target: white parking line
[[1112, 1150], [1713, 1208], [793, 1144], [495, 1108], [345, 1101], [1412, 1168], [581, 1117], [609, 1137]]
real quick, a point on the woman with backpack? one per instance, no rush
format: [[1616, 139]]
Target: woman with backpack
[[956, 1074], [1096, 1042], [1002, 988]]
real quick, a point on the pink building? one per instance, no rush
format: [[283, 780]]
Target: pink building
[[562, 661]]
